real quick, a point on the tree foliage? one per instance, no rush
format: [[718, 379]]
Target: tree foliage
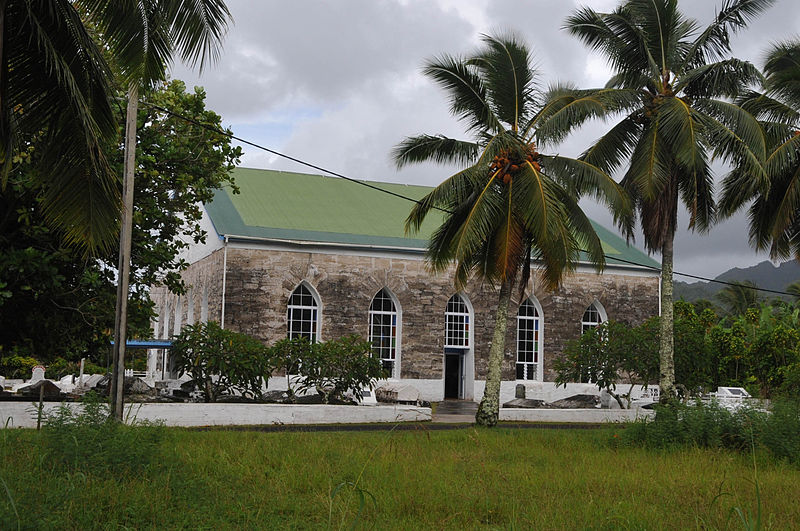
[[222, 362], [56, 301], [610, 354], [339, 366]]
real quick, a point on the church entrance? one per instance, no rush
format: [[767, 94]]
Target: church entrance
[[454, 372]]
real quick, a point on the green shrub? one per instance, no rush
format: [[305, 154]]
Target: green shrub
[[16, 365], [89, 439], [287, 355], [340, 366], [222, 362]]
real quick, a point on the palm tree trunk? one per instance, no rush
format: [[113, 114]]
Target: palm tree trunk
[[666, 347], [489, 408], [124, 266]]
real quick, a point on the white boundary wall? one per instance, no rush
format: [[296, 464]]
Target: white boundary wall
[[23, 414], [574, 416]]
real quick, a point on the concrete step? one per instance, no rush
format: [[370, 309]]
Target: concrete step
[[455, 411]]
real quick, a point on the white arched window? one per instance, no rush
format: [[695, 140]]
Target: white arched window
[[456, 319], [302, 314], [384, 326], [593, 316], [529, 340]]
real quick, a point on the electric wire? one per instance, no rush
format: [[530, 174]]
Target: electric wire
[[230, 135]]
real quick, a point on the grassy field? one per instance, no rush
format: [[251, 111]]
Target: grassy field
[[422, 479]]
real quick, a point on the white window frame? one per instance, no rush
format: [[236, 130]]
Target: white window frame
[[452, 318], [395, 327], [532, 370], [601, 315], [316, 310]]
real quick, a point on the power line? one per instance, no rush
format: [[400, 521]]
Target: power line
[[219, 131]]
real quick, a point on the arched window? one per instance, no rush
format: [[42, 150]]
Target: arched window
[[302, 314], [593, 316], [383, 330], [529, 340], [456, 319]]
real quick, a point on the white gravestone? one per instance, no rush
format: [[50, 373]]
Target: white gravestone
[[37, 374]]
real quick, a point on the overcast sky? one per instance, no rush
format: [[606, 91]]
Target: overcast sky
[[338, 83]]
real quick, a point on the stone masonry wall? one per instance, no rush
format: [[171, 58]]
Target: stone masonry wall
[[260, 282]]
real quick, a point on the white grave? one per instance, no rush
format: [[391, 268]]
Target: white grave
[[37, 374]]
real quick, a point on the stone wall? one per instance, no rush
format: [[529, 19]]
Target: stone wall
[[260, 282]]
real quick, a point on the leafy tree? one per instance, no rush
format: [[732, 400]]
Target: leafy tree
[[674, 81], [609, 354], [512, 205], [222, 362], [339, 366], [289, 354], [179, 165], [57, 302], [692, 360]]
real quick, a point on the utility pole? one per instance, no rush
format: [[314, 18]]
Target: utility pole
[[124, 264]]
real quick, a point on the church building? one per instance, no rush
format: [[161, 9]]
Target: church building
[[321, 257]]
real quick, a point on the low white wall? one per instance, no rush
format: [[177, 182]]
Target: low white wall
[[573, 415], [23, 415]]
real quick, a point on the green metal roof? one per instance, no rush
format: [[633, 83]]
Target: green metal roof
[[314, 208]]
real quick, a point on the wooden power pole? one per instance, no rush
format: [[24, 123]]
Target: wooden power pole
[[124, 264]]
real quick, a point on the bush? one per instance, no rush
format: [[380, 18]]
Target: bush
[[16, 365], [340, 366], [222, 362], [91, 440], [287, 355]]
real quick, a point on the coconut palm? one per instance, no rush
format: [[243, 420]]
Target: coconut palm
[[775, 210], [512, 205], [54, 107], [680, 80]]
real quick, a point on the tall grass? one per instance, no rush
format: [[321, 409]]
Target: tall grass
[[710, 425], [464, 479]]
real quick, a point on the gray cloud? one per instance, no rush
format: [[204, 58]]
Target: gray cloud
[[338, 83]]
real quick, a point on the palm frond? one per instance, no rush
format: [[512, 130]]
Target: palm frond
[[681, 129], [504, 64], [566, 108], [468, 97], [612, 149], [714, 42], [55, 95], [144, 35], [726, 78], [434, 148], [614, 35]]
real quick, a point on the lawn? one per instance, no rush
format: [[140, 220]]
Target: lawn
[[463, 479]]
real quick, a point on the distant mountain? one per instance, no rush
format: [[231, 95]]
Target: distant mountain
[[764, 275]]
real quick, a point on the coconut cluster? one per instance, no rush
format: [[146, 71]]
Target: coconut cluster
[[507, 163]]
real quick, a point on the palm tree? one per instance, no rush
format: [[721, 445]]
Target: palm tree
[[775, 210], [55, 105], [678, 80], [512, 205], [738, 297]]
